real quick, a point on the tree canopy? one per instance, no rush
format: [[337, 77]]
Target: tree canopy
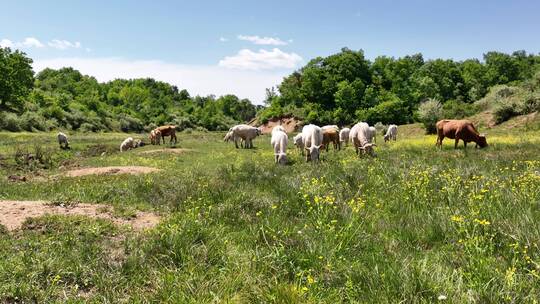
[[346, 87]]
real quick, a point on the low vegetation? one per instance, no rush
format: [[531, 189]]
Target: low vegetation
[[413, 224]]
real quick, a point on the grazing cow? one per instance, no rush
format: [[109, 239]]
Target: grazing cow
[[344, 135], [327, 127], [127, 144], [331, 135], [299, 143], [391, 133], [459, 129], [155, 137], [168, 130], [359, 136], [246, 133], [63, 140], [372, 135], [279, 142], [312, 138]]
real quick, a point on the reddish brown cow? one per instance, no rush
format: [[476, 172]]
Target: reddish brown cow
[[168, 131], [331, 136], [459, 129]]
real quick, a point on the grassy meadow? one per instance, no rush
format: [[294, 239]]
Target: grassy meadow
[[412, 225]]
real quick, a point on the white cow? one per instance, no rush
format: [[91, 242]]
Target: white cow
[[246, 133], [360, 135], [372, 135], [127, 144], [279, 142], [299, 143], [391, 133], [344, 135], [63, 140], [312, 138]]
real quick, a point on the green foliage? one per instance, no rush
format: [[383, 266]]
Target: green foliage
[[429, 113], [16, 79], [453, 109], [345, 87], [508, 101]]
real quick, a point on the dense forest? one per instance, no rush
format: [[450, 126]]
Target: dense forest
[[341, 89], [67, 99], [346, 87]]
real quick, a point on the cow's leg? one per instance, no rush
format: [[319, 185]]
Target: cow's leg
[[465, 144], [236, 142], [456, 143], [276, 158]]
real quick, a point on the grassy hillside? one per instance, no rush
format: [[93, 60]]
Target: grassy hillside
[[412, 224]]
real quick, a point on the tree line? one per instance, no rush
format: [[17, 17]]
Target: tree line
[[346, 87], [339, 89], [67, 99]]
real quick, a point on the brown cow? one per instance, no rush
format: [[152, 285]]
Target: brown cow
[[331, 136], [167, 131], [459, 129]]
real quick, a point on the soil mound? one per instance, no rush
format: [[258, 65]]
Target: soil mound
[[111, 170], [14, 213], [290, 124]]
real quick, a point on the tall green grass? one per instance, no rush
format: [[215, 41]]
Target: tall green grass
[[410, 225]]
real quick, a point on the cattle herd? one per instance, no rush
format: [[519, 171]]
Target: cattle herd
[[314, 138]]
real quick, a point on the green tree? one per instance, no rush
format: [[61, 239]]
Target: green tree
[[16, 79]]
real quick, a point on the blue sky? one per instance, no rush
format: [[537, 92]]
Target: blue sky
[[242, 47]]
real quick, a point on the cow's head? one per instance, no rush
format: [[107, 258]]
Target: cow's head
[[259, 131], [482, 142], [282, 159], [368, 149], [386, 137], [313, 152]]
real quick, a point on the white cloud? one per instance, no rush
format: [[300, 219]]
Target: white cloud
[[28, 42], [261, 60], [31, 42], [262, 40], [223, 39], [198, 80], [64, 44], [6, 43]]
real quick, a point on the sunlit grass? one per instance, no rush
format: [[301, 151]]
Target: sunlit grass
[[411, 225]]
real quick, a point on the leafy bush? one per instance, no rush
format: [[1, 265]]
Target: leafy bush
[[458, 109], [130, 124], [32, 120], [395, 112], [429, 113], [9, 122]]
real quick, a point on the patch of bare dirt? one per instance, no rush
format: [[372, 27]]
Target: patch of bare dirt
[[520, 121], [14, 213], [289, 123], [111, 170], [166, 150]]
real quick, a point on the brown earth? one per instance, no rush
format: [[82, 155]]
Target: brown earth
[[14, 213], [289, 123], [111, 170]]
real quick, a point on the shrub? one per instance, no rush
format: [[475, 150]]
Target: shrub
[[9, 122], [458, 109], [130, 124], [31, 121], [429, 113], [395, 112]]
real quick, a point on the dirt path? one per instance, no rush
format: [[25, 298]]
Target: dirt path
[[14, 213], [111, 170]]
